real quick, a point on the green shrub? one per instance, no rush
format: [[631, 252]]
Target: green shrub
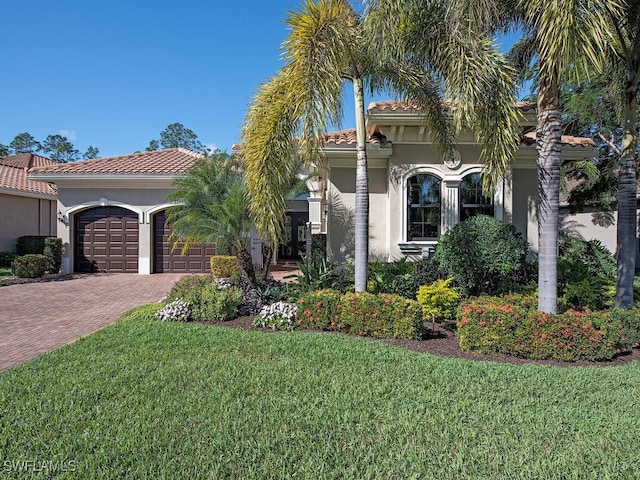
[[319, 310], [593, 293], [380, 316], [319, 274], [422, 273], [217, 303], [481, 253], [630, 323], [439, 301], [511, 325], [586, 274], [579, 259], [30, 244], [211, 299], [263, 292], [224, 266], [189, 286], [53, 252], [382, 274], [29, 266], [142, 313], [6, 259]]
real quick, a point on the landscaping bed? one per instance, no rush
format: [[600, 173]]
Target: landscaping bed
[[443, 342]]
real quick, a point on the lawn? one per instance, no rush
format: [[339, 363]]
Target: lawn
[[5, 272], [144, 399]]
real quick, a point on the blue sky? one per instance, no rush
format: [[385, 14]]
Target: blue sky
[[115, 74]]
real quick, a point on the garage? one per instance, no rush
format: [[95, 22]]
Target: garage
[[195, 260], [106, 240]]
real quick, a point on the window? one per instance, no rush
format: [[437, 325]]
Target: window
[[423, 213], [472, 201]]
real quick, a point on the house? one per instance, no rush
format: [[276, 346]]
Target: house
[[416, 196], [27, 207], [112, 213]]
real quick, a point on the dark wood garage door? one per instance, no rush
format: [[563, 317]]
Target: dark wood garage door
[[106, 240], [195, 260]]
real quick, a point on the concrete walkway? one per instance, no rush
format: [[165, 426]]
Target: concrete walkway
[[38, 317]]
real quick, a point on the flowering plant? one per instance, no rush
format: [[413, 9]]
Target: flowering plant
[[177, 311], [223, 283], [277, 316]]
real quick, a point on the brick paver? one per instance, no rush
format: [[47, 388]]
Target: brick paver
[[38, 317]]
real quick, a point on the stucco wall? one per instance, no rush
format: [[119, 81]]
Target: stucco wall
[[25, 216], [341, 198], [524, 192], [581, 225]]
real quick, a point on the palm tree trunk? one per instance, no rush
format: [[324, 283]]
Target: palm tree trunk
[[362, 192], [627, 207], [549, 145], [246, 264]]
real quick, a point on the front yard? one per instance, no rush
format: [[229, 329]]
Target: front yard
[[146, 399]]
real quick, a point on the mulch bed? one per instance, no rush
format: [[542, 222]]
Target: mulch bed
[[52, 277], [444, 343]]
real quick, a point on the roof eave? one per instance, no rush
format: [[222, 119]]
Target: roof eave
[[26, 193]]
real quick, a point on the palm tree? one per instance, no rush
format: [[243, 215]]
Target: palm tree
[[212, 208], [568, 38], [330, 43], [626, 60]]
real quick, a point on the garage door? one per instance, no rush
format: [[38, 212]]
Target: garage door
[[195, 260], [106, 240]]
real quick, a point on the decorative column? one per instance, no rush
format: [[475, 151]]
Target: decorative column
[[145, 245], [450, 204], [316, 189]]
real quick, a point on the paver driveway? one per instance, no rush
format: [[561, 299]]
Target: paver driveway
[[38, 317]]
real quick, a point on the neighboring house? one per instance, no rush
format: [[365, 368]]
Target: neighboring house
[[415, 196], [27, 207], [113, 213]]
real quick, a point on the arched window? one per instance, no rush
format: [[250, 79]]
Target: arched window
[[423, 207], [472, 201]]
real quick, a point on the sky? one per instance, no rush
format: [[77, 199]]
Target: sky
[[114, 74]]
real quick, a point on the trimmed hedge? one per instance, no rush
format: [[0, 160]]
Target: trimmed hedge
[[6, 259], [512, 325], [366, 314], [30, 244], [29, 266], [53, 252], [224, 266]]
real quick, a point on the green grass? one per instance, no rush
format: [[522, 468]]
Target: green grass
[[5, 272], [144, 399]]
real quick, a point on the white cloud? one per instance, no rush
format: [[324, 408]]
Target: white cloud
[[70, 134], [210, 146]]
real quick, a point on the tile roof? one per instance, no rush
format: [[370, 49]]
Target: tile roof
[[530, 139], [26, 160], [15, 179], [348, 137], [13, 175], [172, 161], [405, 106]]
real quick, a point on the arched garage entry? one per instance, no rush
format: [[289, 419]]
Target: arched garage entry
[[106, 240], [195, 260]]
